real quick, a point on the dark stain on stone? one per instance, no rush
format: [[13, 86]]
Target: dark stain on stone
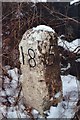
[[52, 69]]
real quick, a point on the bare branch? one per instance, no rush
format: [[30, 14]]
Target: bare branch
[[60, 14]]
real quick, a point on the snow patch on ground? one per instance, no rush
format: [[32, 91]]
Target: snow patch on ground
[[9, 96], [65, 109], [71, 46]]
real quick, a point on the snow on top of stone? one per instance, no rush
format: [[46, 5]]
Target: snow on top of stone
[[44, 28]]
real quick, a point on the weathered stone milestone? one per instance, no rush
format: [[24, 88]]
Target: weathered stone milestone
[[40, 68]]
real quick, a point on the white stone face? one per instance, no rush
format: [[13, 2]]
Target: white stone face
[[37, 54]]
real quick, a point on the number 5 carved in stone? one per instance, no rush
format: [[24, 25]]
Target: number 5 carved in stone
[[51, 56]]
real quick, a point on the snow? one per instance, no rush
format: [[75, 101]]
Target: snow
[[35, 113], [71, 46], [54, 113], [3, 109], [14, 74], [2, 93], [69, 84], [64, 69], [44, 28], [65, 109], [58, 95], [74, 1], [78, 60], [12, 113], [11, 91]]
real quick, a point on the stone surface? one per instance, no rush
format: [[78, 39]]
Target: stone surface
[[40, 68], [1, 116]]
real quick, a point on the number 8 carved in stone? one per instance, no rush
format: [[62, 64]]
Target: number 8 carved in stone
[[31, 61]]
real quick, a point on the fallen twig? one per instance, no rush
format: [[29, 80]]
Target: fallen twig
[[5, 72]]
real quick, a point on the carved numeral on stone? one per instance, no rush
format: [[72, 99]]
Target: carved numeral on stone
[[22, 55], [31, 61], [51, 56]]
